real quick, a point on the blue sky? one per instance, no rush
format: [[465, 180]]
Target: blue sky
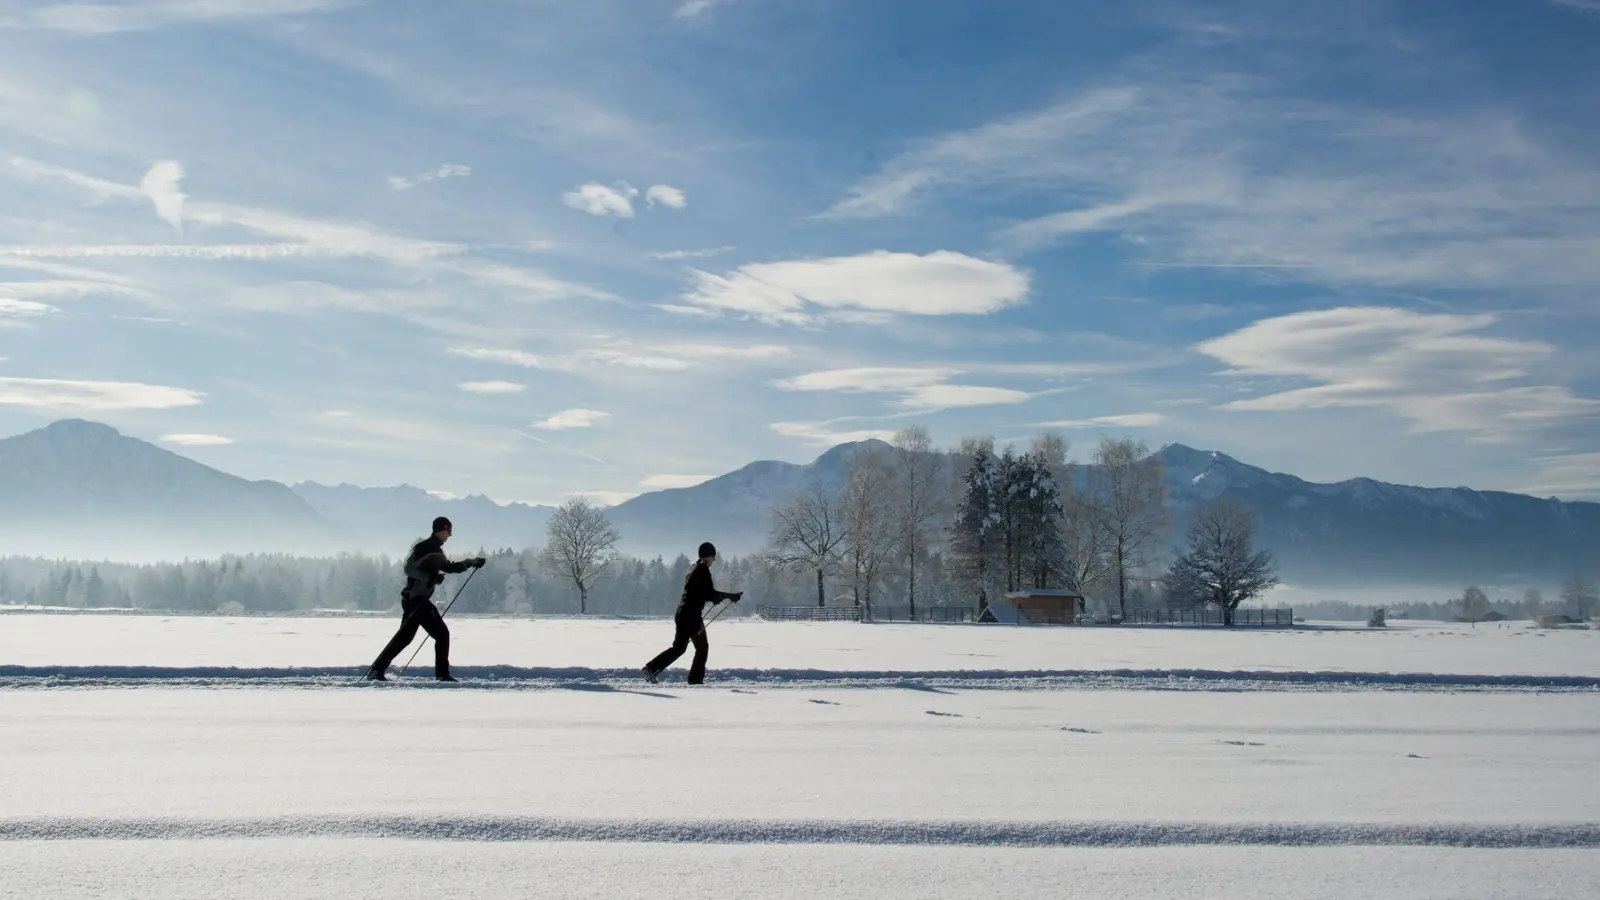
[[544, 248]]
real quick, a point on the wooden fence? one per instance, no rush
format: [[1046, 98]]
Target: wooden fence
[[940, 614], [1211, 617], [810, 613]]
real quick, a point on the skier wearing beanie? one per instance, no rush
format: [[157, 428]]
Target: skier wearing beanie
[[689, 621], [425, 569]]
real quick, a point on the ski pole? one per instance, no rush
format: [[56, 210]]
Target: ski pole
[[441, 616], [713, 618]]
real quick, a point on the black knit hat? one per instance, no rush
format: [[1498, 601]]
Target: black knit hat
[[441, 524], [707, 550]]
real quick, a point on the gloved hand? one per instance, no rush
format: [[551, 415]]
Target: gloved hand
[[478, 563], [736, 596]]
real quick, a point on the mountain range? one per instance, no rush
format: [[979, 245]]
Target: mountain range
[[77, 489]]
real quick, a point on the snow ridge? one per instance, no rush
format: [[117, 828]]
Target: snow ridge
[[506, 677], [799, 831]]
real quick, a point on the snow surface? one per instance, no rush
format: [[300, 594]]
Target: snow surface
[[42, 641], [381, 870], [799, 784]]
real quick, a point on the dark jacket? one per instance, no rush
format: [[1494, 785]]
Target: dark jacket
[[426, 567], [698, 590]]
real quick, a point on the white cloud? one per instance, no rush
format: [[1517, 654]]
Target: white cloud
[[691, 254], [919, 388], [72, 288], [695, 312], [666, 195], [195, 440], [669, 482], [160, 184], [1222, 170], [936, 284], [720, 351], [13, 308], [598, 199], [1126, 420], [573, 418], [1565, 475], [140, 15], [413, 252], [1020, 147], [692, 8], [1584, 5], [882, 378], [492, 387], [99, 396], [950, 396], [820, 434], [491, 354], [307, 238], [1432, 369], [448, 170], [32, 170], [604, 498]]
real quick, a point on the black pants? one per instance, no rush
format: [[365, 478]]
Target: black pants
[[419, 614], [689, 628]]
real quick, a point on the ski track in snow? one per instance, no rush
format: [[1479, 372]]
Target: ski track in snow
[[755, 831], [524, 678]]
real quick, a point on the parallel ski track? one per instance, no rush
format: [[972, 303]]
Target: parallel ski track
[[523, 678], [756, 831]]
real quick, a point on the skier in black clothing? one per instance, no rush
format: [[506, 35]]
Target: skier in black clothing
[[425, 569], [689, 620]]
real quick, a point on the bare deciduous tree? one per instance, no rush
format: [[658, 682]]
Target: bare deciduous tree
[[1221, 567], [1474, 605], [872, 536], [1579, 593], [919, 496], [1132, 494], [582, 544], [807, 533]]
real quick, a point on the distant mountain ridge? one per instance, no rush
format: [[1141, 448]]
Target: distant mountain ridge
[[79, 489], [386, 520], [82, 489], [1361, 530]]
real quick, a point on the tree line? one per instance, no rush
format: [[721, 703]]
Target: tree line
[[1012, 519], [910, 527]]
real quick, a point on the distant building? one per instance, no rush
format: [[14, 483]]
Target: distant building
[[1036, 606]]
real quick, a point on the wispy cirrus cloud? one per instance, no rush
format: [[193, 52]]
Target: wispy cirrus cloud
[[195, 440], [824, 434], [1222, 170], [690, 254], [572, 418], [448, 170], [96, 396], [499, 355], [1435, 370], [670, 482], [143, 15], [1123, 420], [881, 283], [919, 388], [492, 387]]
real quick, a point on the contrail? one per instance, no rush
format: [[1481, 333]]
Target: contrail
[[560, 447]]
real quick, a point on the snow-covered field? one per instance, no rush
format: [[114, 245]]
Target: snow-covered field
[[835, 760]]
